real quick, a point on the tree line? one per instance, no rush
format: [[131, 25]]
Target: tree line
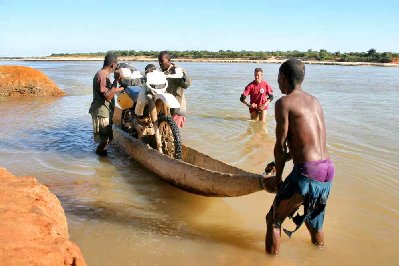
[[322, 55]]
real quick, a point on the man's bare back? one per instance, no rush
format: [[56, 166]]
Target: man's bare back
[[306, 135]]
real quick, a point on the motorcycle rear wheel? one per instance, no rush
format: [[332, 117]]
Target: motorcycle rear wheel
[[170, 137], [125, 119]]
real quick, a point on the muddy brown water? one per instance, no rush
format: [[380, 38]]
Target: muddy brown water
[[121, 214]]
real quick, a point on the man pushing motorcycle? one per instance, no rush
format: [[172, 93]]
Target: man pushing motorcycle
[[102, 107], [178, 81]]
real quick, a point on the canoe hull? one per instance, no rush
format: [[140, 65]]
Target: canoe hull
[[195, 172], [199, 175]]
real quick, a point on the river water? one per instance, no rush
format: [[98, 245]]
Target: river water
[[121, 214]]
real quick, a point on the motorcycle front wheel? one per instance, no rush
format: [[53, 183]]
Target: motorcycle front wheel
[[170, 137]]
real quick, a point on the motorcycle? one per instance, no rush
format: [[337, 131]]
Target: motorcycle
[[146, 111]]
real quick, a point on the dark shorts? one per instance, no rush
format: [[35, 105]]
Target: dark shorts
[[251, 110], [315, 195]]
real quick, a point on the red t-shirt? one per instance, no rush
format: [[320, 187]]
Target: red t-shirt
[[258, 93]]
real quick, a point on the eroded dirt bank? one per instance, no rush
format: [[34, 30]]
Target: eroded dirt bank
[[33, 227], [26, 81]]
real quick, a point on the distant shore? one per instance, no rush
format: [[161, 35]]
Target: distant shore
[[202, 60]]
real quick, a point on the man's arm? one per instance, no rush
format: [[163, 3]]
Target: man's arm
[[245, 93], [183, 80], [244, 100], [268, 100], [110, 92], [280, 148], [186, 80], [269, 94]]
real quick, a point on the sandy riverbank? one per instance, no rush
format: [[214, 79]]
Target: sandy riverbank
[[208, 60], [33, 226], [26, 81]]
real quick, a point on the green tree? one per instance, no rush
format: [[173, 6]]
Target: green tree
[[372, 52], [323, 54]]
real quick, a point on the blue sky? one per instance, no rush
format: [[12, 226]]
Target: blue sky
[[36, 27]]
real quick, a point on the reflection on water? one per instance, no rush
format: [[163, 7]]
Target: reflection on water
[[121, 214]]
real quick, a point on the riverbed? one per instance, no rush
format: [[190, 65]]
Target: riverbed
[[121, 214]]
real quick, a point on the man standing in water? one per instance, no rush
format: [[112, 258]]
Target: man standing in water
[[102, 107], [261, 94], [178, 81], [300, 128]]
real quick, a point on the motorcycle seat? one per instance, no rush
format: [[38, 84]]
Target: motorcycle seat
[[133, 92]]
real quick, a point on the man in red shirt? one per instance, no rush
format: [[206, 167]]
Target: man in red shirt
[[261, 94]]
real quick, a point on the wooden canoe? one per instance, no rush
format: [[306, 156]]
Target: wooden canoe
[[195, 172]]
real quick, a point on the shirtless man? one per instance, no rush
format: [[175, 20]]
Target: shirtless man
[[300, 129]]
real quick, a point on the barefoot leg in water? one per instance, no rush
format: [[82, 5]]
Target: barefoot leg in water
[[275, 218], [254, 116], [262, 116], [317, 236]]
